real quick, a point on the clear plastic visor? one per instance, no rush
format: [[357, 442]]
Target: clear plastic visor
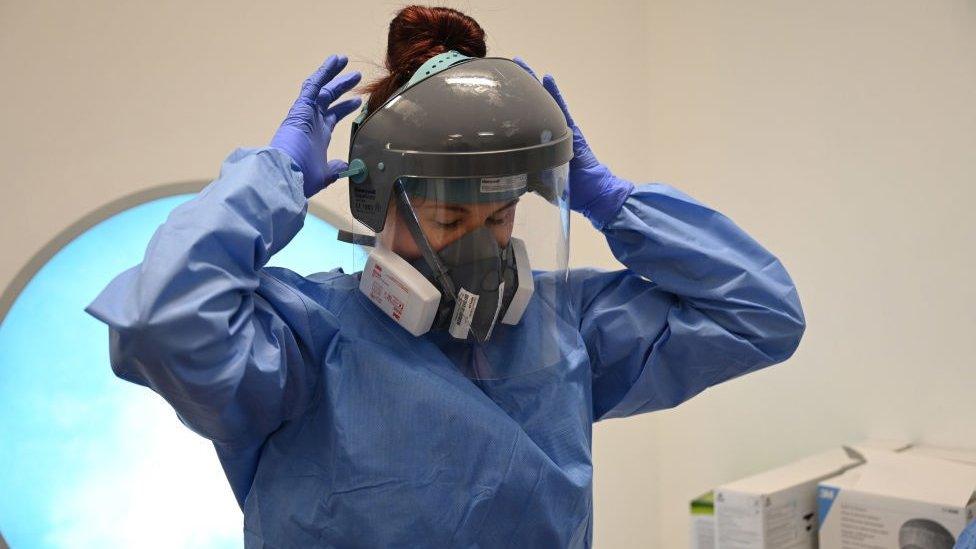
[[498, 249]]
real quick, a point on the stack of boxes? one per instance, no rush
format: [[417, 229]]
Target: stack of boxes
[[877, 494]]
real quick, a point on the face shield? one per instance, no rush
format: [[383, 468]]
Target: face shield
[[463, 176]]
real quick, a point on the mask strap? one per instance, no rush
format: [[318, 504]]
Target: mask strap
[[405, 211]]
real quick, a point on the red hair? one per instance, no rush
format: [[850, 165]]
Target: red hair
[[418, 33]]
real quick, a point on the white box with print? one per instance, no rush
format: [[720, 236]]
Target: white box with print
[[905, 500]]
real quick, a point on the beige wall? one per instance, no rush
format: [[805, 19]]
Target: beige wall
[[840, 134]]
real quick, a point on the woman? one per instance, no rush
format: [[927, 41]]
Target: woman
[[337, 427]]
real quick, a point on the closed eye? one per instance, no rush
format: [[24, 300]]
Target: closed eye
[[448, 225]]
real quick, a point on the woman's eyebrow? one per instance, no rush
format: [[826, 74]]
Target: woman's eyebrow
[[451, 207], [506, 206], [462, 209]]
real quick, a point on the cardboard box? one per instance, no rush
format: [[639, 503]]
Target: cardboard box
[[703, 521], [963, 455], [897, 500], [777, 509]]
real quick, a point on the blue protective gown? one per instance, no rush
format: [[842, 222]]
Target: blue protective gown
[[967, 539], [338, 428]]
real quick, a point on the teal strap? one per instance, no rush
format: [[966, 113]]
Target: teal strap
[[435, 65], [362, 115], [430, 67], [356, 171]]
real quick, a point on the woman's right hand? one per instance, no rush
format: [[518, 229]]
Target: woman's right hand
[[306, 131], [593, 189]]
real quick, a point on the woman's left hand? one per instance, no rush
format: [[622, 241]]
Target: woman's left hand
[[593, 189], [307, 130]]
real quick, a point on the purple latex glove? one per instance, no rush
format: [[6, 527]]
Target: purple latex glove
[[593, 190], [307, 130]]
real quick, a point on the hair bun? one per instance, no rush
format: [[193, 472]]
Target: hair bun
[[418, 33]]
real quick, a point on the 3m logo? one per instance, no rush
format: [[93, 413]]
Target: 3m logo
[[826, 496]]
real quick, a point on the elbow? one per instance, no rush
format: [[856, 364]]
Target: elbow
[[785, 331], [775, 343], [792, 338], [783, 322], [771, 331]]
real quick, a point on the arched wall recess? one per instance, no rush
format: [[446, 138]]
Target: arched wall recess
[[62, 238], [89, 460]]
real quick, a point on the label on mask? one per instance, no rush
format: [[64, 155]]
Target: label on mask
[[498, 309], [504, 184], [464, 308]]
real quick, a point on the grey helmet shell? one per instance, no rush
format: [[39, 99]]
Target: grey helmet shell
[[477, 118]]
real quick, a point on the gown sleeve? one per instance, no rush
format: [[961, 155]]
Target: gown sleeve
[[700, 303], [189, 323]]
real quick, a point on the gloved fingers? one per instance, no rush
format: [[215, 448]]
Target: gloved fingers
[[333, 168], [583, 155], [313, 84], [549, 83], [334, 89], [341, 110], [521, 62]]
